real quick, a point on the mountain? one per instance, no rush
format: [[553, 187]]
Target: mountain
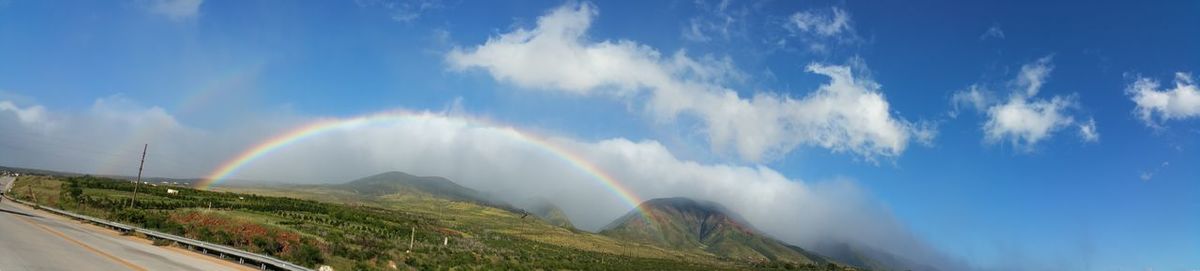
[[551, 214], [691, 225], [399, 183]]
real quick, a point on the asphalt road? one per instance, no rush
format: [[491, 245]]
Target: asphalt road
[[37, 240]]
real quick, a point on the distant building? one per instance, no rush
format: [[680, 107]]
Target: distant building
[[172, 191]]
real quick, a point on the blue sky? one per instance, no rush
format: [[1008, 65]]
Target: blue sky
[[979, 149]]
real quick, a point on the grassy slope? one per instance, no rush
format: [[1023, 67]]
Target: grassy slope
[[394, 182], [688, 225], [739, 248], [476, 218], [351, 232]]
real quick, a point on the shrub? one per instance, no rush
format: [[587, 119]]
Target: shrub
[[307, 255], [161, 242]]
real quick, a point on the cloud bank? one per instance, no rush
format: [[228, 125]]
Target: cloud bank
[[107, 137], [847, 114], [104, 138]]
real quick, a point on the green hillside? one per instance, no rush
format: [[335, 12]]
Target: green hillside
[[351, 229], [692, 225], [470, 218], [400, 183]]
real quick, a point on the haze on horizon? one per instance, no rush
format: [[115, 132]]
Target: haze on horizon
[[968, 136]]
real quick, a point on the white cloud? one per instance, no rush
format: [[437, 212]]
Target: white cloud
[[1024, 123], [176, 10], [993, 32], [1023, 120], [1087, 131], [30, 114], [974, 97], [818, 29], [492, 158], [553, 56], [695, 31], [1033, 75], [1149, 174], [404, 11], [1156, 106], [823, 23], [848, 114], [715, 21]]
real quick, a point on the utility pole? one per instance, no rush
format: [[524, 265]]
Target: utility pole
[[138, 182]]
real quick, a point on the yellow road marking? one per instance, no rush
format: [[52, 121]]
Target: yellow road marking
[[175, 249], [85, 246]]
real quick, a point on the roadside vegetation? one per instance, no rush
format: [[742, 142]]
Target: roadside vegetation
[[353, 233]]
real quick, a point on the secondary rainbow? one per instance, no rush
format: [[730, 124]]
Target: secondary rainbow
[[208, 91], [316, 128]]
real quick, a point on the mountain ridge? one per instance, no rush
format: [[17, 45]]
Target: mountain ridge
[[550, 213], [697, 225], [396, 182], [679, 223]]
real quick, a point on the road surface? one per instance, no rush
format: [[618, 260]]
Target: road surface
[[37, 240]]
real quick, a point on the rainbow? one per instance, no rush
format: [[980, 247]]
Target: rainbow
[[266, 147], [223, 85]]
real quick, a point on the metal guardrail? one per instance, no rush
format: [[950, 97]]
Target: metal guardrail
[[224, 252], [109, 224]]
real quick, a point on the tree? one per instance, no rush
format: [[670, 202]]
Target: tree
[[76, 191]]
